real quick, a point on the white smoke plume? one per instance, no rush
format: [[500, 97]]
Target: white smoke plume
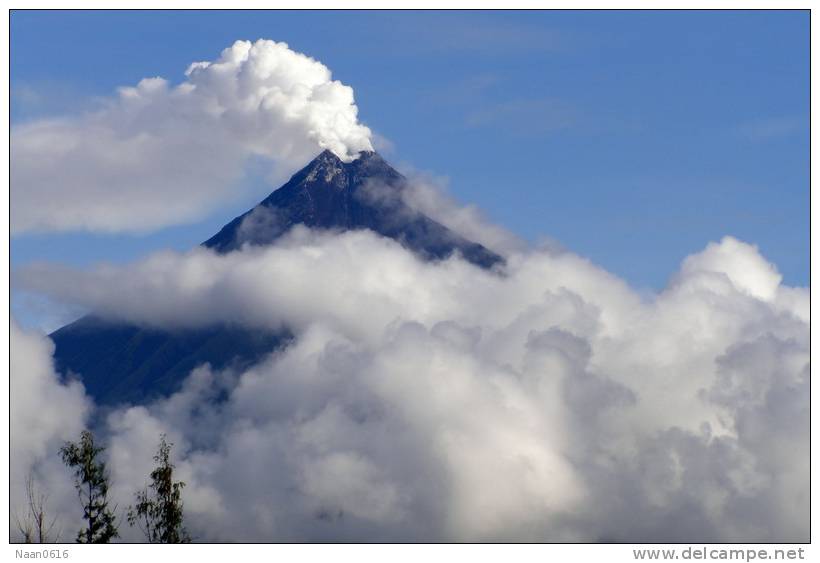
[[439, 401], [158, 154]]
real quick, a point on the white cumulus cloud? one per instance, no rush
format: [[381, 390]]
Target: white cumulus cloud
[[159, 154], [44, 413], [548, 401]]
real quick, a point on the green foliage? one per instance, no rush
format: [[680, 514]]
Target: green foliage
[[91, 481], [158, 511]]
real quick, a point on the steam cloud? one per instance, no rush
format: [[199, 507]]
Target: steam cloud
[[158, 155], [546, 402]]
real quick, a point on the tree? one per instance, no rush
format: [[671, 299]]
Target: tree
[[158, 511], [36, 527], [92, 481]]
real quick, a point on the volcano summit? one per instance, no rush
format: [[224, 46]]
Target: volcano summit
[[121, 362]]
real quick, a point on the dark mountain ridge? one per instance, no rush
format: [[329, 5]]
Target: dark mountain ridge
[[362, 194], [121, 362]]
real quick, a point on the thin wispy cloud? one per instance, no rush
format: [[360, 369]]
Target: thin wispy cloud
[[773, 128], [527, 116], [451, 33], [461, 92], [30, 100]]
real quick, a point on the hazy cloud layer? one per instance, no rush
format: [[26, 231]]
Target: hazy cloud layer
[[429, 196], [769, 128], [526, 116], [440, 401], [158, 154]]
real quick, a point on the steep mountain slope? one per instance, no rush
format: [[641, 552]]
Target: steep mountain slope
[[119, 362], [125, 363], [362, 194]]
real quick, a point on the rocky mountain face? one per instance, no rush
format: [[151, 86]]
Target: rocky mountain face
[[126, 363], [362, 194]]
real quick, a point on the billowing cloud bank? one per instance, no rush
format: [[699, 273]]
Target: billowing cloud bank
[[43, 414], [419, 401], [158, 154]]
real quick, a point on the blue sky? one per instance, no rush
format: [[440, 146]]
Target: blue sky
[[633, 138]]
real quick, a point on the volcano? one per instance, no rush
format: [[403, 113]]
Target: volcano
[[121, 363]]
